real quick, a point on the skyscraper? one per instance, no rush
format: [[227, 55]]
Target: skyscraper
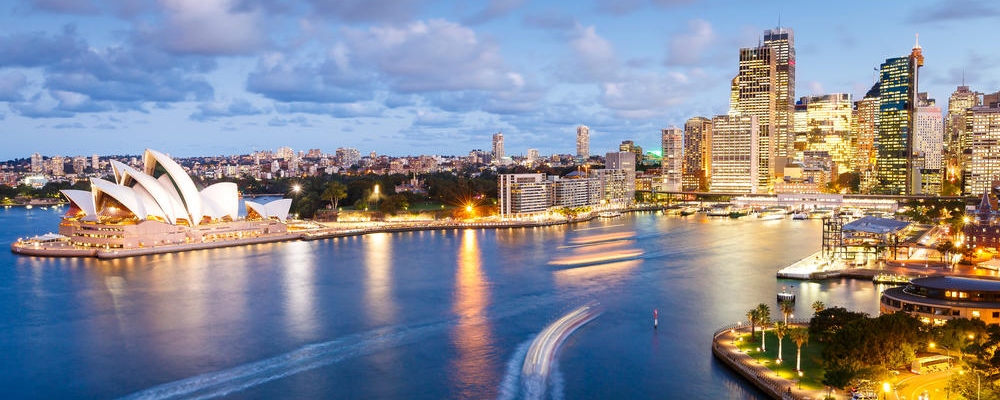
[[497, 147], [894, 127], [928, 148], [672, 162], [735, 154], [828, 128], [582, 142], [864, 114], [984, 155], [765, 88], [956, 132], [697, 154], [782, 40]]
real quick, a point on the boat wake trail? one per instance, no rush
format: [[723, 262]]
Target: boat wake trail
[[221, 383], [540, 358], [511, 378], [242, 377]]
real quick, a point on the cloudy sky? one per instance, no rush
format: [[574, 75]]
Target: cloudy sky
[[408, 77]]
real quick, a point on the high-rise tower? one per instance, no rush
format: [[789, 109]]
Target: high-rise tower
[[782, 40], [894, 127], [765, 88], [697, 154], [497, 147], [672, 163], [582, 142]]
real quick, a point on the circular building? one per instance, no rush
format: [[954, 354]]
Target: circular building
[[937, 299]]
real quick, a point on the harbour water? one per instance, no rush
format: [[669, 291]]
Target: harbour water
[[416, 315]]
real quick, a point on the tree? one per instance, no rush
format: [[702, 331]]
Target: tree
[[787, 308], [780, 330], [828, 322], [800, 336], [763, 319], [752, 319], [335, 191], [818, 306]]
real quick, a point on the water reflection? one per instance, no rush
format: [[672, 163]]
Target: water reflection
[[473, 336], [379, 304], [299, 266]]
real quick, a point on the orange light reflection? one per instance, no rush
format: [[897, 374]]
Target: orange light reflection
[[473, 335]]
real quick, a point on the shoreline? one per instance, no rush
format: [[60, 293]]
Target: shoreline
[[62, 249]]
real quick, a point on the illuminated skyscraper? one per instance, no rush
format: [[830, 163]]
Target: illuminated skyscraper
[[735, 157], [672, 140], [782, 40], [956, 134], [865, 114], [828, 128], [497, 152], [765, 88], [928, 148], [984, 155], [894, 167], [697, 154], [582, 142]]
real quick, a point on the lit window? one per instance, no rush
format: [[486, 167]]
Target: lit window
[[975, 313]]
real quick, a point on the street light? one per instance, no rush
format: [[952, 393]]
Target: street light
[[886, 388]]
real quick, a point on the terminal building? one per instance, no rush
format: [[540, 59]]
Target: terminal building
[[936, 299]]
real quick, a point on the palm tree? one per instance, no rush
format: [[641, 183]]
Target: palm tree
[[780, 329], [335, 191], [818, 306], [800, 336], [752, 318], [763, 319], [787, 308]]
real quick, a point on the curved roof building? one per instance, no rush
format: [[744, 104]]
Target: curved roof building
[[162, 192], [936, 299]]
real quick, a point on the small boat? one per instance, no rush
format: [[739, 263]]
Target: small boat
[[800, 215], [689, 211], [29, 206], [720, 210], [609, 214], [772, 213], [786, 296]]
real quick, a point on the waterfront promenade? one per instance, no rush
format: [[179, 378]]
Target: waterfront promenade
[[724, 349]]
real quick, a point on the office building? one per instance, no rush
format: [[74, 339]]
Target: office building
[[928, 148], [582, 143], [523, 194], [697, 151], [672, 160], [864, 114], [497, 148], [735, 154], [898, 84], [828, 127], [983, 170]]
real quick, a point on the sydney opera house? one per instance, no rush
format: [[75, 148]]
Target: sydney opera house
[[161, 206]]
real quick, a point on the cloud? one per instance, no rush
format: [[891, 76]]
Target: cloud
[[687, 47], [593, 58], [296, 120], [330, 81], [618, 7], [348, 110], [210, 27], [550, 19], [82, 7], [11, 84], [430, 118], [644, 95], [430, 56], [69, 125], [39, 50], [495, 9], [209, 111], [815, 88], [368, 10], [954, 10]]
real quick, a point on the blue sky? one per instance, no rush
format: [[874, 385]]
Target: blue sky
[[409, 77]]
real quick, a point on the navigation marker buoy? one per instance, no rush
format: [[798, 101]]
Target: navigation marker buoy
[[656, 319]]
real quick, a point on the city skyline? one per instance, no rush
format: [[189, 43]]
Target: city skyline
[[430, 77]]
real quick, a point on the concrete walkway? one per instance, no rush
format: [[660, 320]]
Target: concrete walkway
[[724, 348]]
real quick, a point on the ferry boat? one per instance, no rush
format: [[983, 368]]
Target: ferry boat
[[820, 213], [689, 211], [772, 213], [609, 214], [786, 296], [720, 210]]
